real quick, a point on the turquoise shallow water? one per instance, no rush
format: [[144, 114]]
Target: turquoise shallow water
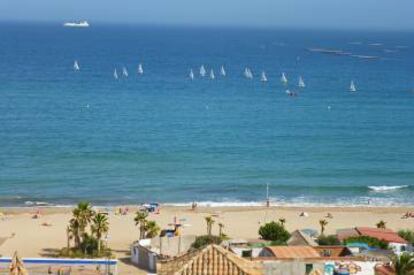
[[66, 136]]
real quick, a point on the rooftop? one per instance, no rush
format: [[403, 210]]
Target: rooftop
[[293, 252], [381, 234]]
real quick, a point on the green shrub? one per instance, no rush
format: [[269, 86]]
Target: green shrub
[[275, 232], [372, 242], [407, 235], [202, 241], [328, 240]]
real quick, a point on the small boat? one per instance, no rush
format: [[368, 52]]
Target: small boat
[[191, 75], [203, 71], [248, 73], [301, 83], [263, 77], [212, 76], [115, 74], [80, 24], [125, 71], [352, 87], [283, 79], [222, 71], [140, 69], [76, 66]]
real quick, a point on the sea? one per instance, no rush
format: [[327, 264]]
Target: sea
[[68, 136]]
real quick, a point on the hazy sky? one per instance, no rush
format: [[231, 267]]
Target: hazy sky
[[344, 14]]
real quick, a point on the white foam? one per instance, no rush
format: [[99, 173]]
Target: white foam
[[384, 188]]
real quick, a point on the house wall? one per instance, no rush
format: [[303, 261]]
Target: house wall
[[143, 258], [290, 267], [399, 248]]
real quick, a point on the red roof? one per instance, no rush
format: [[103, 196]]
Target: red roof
[[381, 234]]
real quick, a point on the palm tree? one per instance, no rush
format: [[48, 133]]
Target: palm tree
[[381, 224], [323, 223], [151, 229], [282, 221], [404, 264], [83, 213], [69, 236], [100, 227], [221, 226], [210, 222], [141, 220], [75, 231]]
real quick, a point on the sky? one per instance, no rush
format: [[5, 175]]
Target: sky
[[327, 14]]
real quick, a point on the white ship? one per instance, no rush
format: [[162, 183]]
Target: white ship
[[80, 24]]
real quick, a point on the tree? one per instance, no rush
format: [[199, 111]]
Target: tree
[[141, 220], [69, 236], [151, 229], [282, 221], [210, 221], [202, 241], [328, 240], [403, 264], [75, 231], [221, 226], [99, 227], [274, 231], [323, 223], [381, 224], [83, 213], [407, 235]]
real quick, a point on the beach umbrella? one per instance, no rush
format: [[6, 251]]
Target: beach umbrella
[[16, 266]]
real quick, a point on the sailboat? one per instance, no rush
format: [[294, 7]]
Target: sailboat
[[248, 73], [76, 66], [212, 76], [283, 79], [140, 69], [263, 78], [352, 87], [125, 72], [115, 74], [301, 83], [222, 71], [191, 75], [203, 71]]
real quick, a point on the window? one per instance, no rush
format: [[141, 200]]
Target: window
[[308, 268], [246, 253]]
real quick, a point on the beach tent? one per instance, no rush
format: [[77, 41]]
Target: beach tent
[[16, 266]]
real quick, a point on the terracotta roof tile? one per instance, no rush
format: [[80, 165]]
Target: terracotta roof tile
[[289, 252], [381, 234]]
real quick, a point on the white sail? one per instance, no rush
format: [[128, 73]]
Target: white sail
[[115, 74], [76, 66], [140, 69], [248, 73], [283, 79], [212, 76], [203, 71], [191, 75], [125, 71], [222, 71], [352, 87], [301, 83], [263, 78]]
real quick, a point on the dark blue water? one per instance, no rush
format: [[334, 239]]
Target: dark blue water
[[67, 136]]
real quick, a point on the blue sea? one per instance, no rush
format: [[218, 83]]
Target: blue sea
[[68, 135]]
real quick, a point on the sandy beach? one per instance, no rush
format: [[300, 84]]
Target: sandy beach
[[19, 231]]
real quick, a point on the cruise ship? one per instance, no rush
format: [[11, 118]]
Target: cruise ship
[[80, 24]]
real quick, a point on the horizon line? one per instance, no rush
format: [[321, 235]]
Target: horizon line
[[208, 26]]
